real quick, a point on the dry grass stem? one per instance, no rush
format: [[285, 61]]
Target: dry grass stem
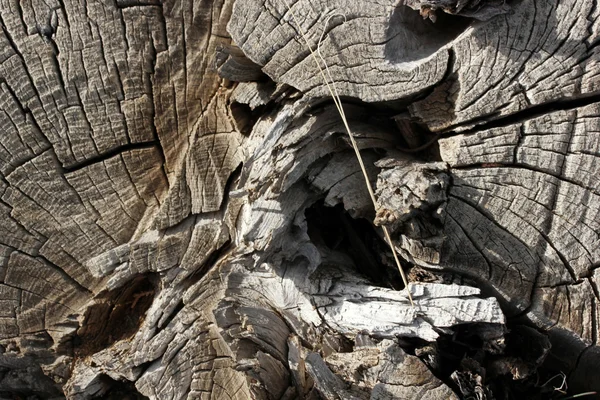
[[330, 83]]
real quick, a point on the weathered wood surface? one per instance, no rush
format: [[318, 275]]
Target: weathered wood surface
[[179, 204]]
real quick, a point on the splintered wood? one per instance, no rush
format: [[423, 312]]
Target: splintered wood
[[182, 216]]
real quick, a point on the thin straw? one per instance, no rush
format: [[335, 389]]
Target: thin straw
[[338, 104]]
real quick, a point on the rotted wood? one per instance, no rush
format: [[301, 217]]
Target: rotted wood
[[182, 216]]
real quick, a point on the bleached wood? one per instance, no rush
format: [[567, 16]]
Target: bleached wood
[[155, 213]]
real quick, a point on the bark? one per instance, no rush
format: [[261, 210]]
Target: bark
[[182, 215]]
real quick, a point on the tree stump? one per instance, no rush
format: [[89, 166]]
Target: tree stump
[[183, 217]]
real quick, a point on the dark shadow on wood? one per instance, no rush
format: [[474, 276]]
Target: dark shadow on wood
[[412, 38]]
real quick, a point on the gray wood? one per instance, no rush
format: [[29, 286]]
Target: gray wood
[[179, 202]]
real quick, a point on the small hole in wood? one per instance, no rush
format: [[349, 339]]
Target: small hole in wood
[[116, 315], [335, 229]]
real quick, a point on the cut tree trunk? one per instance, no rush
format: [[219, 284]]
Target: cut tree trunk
[[183, 217]]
